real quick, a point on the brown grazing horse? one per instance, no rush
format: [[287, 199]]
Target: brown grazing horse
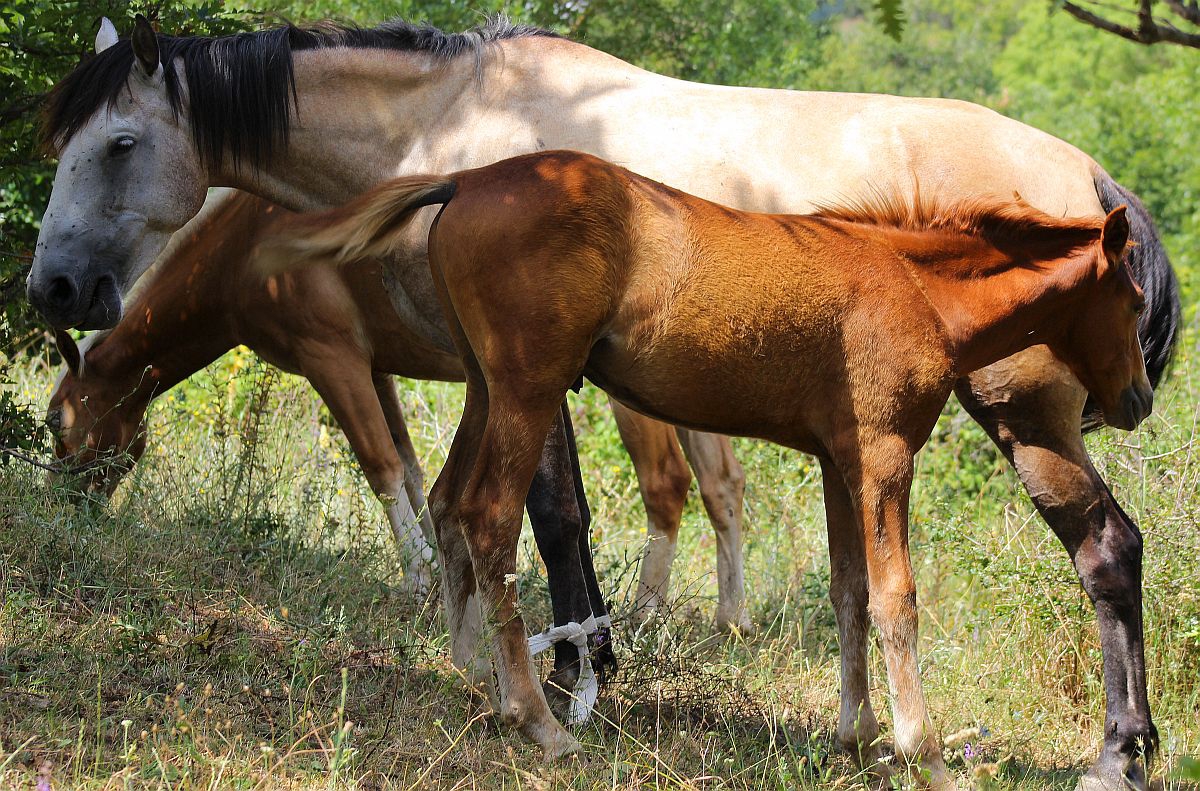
[[204, 297], [840, 334]]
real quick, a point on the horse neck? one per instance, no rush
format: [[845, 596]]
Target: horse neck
[[179, 322], [994, 304], [363, 115], [360, 114]]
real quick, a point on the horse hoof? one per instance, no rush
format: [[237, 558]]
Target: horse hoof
[[558, 699], [1132, 779], [561, 746], [734, 624]]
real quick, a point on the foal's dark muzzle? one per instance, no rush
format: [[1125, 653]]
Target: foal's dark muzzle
[[66, 301], [1135, 405]]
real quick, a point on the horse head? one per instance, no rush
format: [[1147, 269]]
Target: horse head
[[98, 421], [129, 175], [1101, 344]]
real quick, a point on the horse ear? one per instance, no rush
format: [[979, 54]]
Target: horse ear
[[1115, 235], [106, 36], [145, 46], [68, 350]]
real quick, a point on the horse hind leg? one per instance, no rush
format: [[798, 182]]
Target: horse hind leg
[[554, 512], [463, 616], [491, 512], [1030, 406], [722, 485], [603, 658], [664, 480]]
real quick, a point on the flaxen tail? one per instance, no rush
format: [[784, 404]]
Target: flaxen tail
[[366, 227]]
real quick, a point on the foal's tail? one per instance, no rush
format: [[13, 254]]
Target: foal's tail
[[1158, 326], [366, 227]]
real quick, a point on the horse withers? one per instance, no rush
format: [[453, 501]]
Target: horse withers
[[840, 334]]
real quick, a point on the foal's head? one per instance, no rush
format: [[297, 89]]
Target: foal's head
[[98, 421], [1100, 344]]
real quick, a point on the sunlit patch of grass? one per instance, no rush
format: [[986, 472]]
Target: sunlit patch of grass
[[232, 620]]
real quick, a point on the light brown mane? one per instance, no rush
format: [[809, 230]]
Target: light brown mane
[[1004, 223]]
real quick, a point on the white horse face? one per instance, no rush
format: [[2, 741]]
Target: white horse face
[[126, 180]]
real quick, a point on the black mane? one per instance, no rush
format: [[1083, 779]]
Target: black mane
[[241, 88]]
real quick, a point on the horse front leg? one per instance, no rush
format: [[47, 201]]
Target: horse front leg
[[858, 729], [1030, 406], [879, 481], [491, 508], [414, 476], [554, 511], [343, 378]]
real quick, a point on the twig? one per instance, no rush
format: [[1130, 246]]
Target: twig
[[16, 454]]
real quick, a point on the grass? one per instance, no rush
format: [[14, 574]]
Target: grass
[[232, 620]]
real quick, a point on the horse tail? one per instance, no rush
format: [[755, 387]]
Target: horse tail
[[366, 227], [1158, 326]]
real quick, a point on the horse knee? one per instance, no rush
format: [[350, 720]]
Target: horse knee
[[1110, 565], [664, 493]]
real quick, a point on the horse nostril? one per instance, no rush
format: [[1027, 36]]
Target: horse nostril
[[61, 294]]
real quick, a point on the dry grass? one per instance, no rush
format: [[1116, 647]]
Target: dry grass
[[230, 621]]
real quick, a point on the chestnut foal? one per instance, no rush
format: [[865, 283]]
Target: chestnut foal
[[840, 334]]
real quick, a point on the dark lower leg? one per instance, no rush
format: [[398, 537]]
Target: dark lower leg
[[603, 658], [554, 513], [1037, 429]]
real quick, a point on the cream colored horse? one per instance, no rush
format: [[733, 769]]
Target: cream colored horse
[[139, 144]]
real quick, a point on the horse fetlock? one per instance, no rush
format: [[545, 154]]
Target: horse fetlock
[[733, 617], [558, 691]]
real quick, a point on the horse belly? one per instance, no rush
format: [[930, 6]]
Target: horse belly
[[770, 388]]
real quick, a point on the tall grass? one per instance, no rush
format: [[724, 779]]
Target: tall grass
[[232, 618]]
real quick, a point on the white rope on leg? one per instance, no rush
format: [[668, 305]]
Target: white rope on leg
[[587, 688]]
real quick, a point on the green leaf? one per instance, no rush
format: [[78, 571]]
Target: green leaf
[[890, 15]]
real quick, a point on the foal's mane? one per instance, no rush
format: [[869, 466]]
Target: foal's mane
[[1003, 223], [241, 88]]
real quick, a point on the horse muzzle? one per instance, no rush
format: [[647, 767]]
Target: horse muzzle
[[1135, 405], [66, 300]]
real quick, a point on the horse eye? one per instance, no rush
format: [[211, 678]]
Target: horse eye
[[121, 146], [54, 421]]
